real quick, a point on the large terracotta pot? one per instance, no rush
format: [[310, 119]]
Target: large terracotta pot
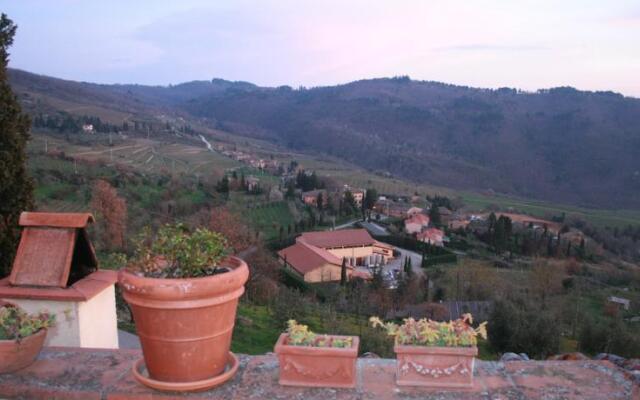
[[185, 325], [15, 355], [317, 366], [437, 367]]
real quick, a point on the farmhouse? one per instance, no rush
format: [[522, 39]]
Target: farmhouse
[[358, 196], [317, 256], [416, 223], [311, 197], [391, 208], [619, 302], [432, 236], [445, 215]]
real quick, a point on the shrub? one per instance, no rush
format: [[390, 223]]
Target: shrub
[[301, 335], [425, 332], [174, 252], [16, 324], [522, 328]]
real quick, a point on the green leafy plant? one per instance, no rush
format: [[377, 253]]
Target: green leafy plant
[[301, 335], [176, 252], [16, 324], [425, 332]]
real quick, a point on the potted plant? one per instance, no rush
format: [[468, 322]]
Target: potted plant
[[21, 336], [308, 359], [435, 354], [183, 291]]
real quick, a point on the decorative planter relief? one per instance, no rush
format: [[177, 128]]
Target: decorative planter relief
[[317, 366]]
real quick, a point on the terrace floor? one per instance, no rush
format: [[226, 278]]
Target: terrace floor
[[70, 373]]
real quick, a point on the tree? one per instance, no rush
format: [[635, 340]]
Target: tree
[[223, 185], [434, 216], [522, 328], [111, 215], [320, 201], [291, 190], [16, 187], [231, 226], [369, 201], [343, 272], [349, 203]]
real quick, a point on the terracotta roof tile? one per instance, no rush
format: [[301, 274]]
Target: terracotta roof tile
[[305, 258], [56, 220], [418, 219], [50, 246], [341, 238]]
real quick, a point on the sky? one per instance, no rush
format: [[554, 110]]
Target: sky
[[587, 44]]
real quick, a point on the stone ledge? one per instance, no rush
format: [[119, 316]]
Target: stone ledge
[[83, 290], [73, 373]]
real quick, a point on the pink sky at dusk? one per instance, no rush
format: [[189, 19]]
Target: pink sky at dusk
[[591, 45]]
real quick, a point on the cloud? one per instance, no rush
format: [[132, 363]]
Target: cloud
[[491, 47]]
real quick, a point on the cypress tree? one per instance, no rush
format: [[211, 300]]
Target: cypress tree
[[16, 187], [343, 272]]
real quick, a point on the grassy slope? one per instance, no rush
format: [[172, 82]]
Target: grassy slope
[[255, 337]]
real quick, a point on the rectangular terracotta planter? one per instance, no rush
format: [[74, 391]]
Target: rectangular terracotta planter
[[437, 367], [317, 366]]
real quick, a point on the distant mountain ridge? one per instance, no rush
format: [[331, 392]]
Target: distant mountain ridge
[[559, 144]]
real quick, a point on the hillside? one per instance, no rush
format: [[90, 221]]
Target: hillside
[[559, 145]]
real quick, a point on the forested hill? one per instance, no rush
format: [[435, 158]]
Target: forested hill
[[559, 144]]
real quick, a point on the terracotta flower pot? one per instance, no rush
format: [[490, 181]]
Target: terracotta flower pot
[[438, 367], [317, 366], [185, 325], [15, 355]]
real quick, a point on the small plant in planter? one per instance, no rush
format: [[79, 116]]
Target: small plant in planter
[[174, 252], [183, 290], [309, 359], [21, 336], [435, 354]]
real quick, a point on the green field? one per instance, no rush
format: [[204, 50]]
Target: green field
[[255, 331], [538, 208], [269, 217]]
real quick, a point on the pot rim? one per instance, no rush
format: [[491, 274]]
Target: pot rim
[[229, 284], [415, 349], [282, 348]]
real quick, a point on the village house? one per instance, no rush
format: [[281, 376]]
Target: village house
[[358, 194], [252, 183], [458, 221], [433, 236], [311, 197], [87, 128], [391, 208], [413, 211], [416, 223], [619, 302], [317, 256], [445, 215], [257, 163]]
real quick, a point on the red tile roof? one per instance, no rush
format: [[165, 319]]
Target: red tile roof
[[305, 258], [431, 233], [418, 219], [341, 238], [383, 245]]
